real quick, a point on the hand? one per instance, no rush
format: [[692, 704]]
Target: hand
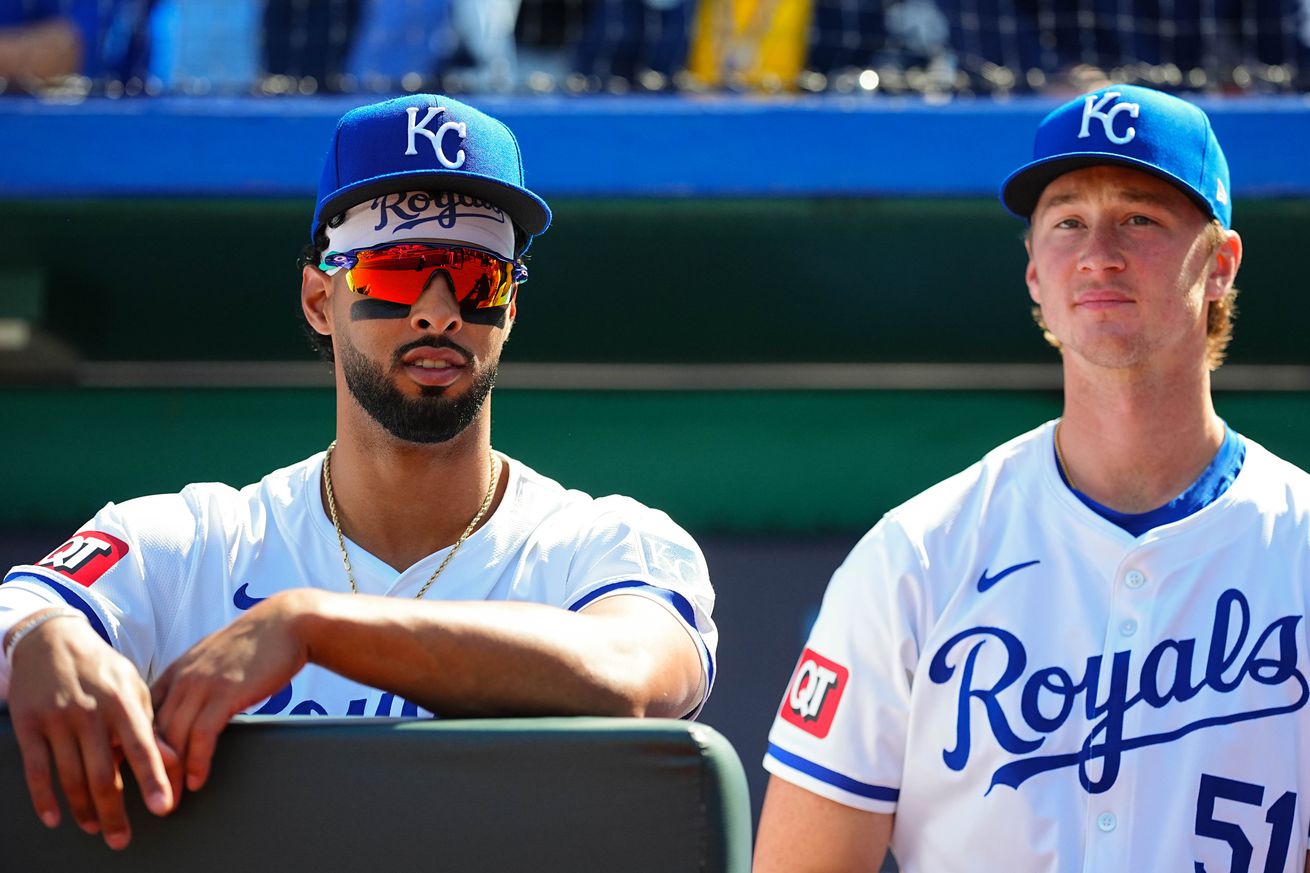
[[73, 697], [227, 671]]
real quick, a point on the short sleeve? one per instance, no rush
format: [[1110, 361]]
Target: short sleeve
[[121, 570], [841, 728], [633, 549]]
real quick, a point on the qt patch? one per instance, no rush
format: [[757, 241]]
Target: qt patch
[[86, 556], [814, 693]]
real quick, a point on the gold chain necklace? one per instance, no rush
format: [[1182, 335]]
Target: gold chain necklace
[[1059, 457], [341, 541]]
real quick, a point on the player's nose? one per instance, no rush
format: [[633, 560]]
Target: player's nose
[[1102, 248], [436, 310]]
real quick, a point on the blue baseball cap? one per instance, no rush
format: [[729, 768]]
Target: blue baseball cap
[[1133, 126], [427, 142]]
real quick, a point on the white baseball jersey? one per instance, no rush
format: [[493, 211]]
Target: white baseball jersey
[[1030, 688], [156, 574]]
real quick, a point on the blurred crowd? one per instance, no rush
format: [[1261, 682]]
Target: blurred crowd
[[130, 47]]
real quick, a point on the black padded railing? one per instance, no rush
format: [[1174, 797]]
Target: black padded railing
[[551, 795]]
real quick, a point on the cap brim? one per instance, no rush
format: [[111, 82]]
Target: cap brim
[[528, 211], [1023, 188]]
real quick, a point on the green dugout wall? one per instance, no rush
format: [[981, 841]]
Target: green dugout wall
[[833, 279], [775, 462], [794, 365], [763, 315]]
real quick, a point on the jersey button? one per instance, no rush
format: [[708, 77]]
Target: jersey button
[[1134, 579], [1128, 628], [1106, 821]]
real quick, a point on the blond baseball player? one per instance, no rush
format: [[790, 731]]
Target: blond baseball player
[[1088, 651]]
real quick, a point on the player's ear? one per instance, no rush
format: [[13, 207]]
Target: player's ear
[[314, 299], [1030, 279], [1030, 272], [1226, 260]]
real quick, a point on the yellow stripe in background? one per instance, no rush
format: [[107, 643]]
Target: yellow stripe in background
[[750, 43]]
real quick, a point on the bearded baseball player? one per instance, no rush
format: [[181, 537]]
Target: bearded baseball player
[[1088, 651], [408, 570]]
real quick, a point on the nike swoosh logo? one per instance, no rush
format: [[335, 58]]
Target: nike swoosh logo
[[242, 600], [985, 581]]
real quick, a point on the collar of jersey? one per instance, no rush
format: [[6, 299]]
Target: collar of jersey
[[1207, 488], [368, 566]]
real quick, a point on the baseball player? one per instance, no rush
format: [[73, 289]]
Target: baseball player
[[1088, 651], [407, 570]]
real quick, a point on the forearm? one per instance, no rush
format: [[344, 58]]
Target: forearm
[[455, 658], [42, 50], [479, 658]]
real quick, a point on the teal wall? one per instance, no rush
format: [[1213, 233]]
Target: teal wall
[[665, 280], [793, 462]]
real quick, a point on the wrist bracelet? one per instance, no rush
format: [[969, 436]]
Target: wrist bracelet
[[31, 624]]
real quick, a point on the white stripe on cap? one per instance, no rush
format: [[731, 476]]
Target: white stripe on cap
[[430, 217]]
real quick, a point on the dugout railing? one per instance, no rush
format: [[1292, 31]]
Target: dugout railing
[[550, 795]]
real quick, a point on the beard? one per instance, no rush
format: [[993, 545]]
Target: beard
[[431, 417]]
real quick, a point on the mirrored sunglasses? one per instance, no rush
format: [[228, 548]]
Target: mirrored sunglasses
[[399, 272]]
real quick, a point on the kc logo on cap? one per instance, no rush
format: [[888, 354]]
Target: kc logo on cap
[[1131, 126], [437, 139], [427, 143], [1094, 108]]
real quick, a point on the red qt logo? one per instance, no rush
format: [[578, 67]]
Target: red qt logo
[[815, 691], [86, 556]]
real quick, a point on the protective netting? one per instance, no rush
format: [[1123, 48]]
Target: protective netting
[[130, 47]]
